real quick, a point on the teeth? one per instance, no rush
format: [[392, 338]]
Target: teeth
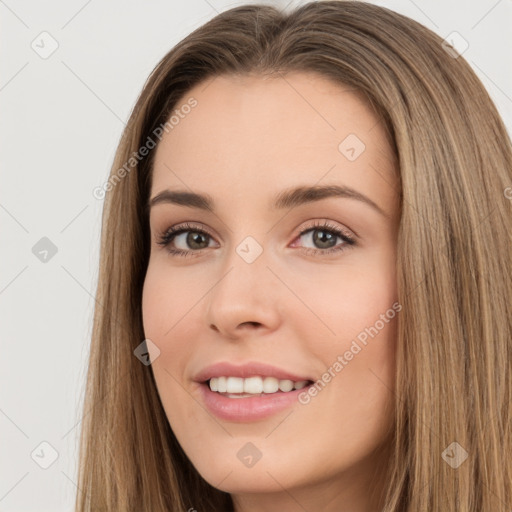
[[270, 385], [235, 385], [286, 385], [222, 384], [253, 385]]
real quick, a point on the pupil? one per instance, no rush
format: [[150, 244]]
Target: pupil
[[325, 237]]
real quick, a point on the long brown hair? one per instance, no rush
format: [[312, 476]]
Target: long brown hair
[[454, 348]]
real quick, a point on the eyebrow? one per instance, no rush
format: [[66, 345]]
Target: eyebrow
[[287, 198]]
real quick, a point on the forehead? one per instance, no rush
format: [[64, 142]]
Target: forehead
[[247, 134]]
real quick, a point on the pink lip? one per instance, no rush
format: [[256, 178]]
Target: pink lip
[[251, 369], [251, 408], [248, 409]]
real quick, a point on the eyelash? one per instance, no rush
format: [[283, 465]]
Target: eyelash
[[168, 236]]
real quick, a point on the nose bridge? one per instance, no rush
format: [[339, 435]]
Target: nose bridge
[[245, 269]]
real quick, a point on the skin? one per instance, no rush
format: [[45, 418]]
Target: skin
[[247, 139]]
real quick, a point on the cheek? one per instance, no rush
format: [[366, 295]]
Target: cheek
[[356, 344], [165, 304], [352, 401], [344, 301], [167, 297], [166, 309]]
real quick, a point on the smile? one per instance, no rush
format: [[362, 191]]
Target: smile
[[249, 392]]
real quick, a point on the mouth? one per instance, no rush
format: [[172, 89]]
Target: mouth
[[249, 392]]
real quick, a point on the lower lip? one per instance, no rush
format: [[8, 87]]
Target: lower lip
[[248, 409]]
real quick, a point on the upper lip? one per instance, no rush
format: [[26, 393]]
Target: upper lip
[[250, 369]]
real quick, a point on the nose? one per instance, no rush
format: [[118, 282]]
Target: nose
[[245, 299]]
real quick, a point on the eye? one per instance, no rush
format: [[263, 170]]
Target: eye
[[323, 236], [194, 239]]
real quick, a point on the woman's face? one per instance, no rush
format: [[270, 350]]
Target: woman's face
[[250, 298]]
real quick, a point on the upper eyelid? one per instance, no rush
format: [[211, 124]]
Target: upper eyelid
[[189, 226]]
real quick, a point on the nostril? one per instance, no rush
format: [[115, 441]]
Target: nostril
[[254, 324]]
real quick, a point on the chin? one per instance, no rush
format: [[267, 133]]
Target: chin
[[240, 480]]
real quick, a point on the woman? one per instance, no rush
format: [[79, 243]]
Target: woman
[[305, 284]]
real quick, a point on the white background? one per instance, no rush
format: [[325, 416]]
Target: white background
[[61, 119]]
